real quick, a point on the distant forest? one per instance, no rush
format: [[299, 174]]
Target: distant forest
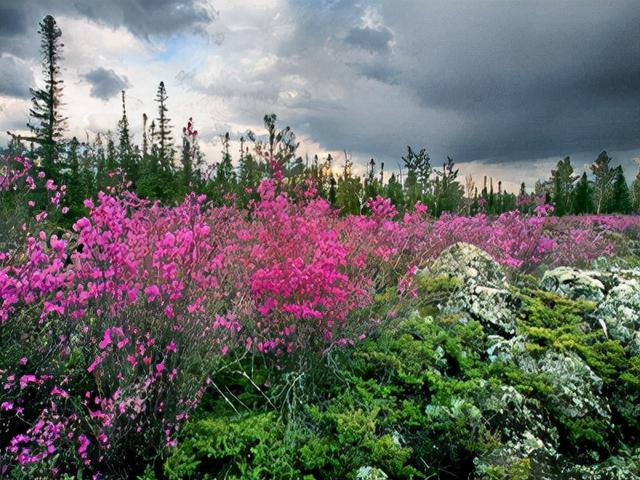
[[167, 165]]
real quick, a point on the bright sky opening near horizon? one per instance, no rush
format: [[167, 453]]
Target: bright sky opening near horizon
[[504, 88]]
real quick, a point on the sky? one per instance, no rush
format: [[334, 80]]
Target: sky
[[504, 88]]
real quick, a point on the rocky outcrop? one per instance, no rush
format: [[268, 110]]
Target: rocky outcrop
[[619, 312], [577, 284], [617, 292], [470, 264], [484, 295], [370, 473]]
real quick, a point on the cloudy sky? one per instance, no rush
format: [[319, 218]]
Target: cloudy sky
[[505, 88]]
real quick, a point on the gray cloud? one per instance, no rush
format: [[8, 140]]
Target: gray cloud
[[504, 81], [475, 80], [105, 83], [16, 77], [371, 39], [144, 18]]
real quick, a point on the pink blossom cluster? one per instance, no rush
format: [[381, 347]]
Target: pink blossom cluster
[[118, 327]]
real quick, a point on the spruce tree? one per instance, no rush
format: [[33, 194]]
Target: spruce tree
[[620, 197], [394, 192], [126, 151], [562, 180], [448, 192], [418, 178], [583, 196], [371, 183], [635, 194], [46, 121], [348, 189], [162, 134], [72, 179], [604, 176]]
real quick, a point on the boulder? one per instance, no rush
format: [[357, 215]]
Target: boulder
[[574, 388], [495, 308], [577, 284], [483, 295], [370, 473], [470, 264], [619, 313]]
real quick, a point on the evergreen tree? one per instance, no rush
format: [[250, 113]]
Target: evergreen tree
[[372, 186], [418, 181], [126, 152], [75, 192], [191, 156], [225, 179], [394, 193], [162, 134], [250, 173], [582, 196], [562, 180], [447, 190], [635, 193], [620, 196], [348, 189], [46, 122], [604, 176], [282, 146]]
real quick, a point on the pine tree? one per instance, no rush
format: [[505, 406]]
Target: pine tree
[[394, 192], [126, 152], [249, 176], [225, 179], [163, 138], [72, 178], [371, 183], [348, 189], [47, 123], [447, 190], [635, 194], [582, 196], [562, 180], [620, 197], [604, 176], [418, 181], [191, 156]]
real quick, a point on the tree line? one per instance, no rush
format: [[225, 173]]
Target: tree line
[[165, 168]]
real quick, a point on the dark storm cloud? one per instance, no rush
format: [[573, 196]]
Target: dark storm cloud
[[15, 77], [148, 18], [105, 83], [476, 80], [370, 39], [144, 18]]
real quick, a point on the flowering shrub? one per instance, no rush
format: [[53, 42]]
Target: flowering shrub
[[114, 329]]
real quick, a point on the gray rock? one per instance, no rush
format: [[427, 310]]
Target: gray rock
[[619, 313], [370, 473], [577, 284], [576, 388], [483, 295], [470, 264], [495, 308]]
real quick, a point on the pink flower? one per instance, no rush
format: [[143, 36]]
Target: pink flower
[[59, 392], [152, 292], [26, 380], [106, 339], [96, 361]]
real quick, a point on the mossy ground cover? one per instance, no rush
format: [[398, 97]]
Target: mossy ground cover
[[423, 398]]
